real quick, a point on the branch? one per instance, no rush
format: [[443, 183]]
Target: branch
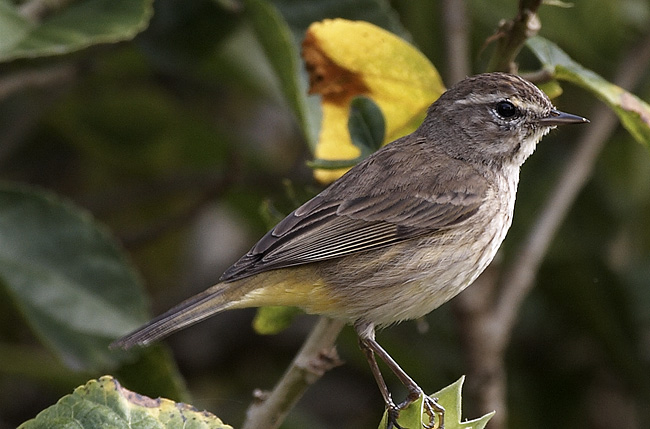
[[518, 281], [317, 356], [512, 35], [487, 311]]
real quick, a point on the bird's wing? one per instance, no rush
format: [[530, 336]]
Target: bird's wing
[[371, 207]]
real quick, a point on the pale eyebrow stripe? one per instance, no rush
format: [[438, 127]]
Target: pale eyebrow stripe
[[480, 99], [493, 98]]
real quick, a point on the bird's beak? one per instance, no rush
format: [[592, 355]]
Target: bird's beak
[[556, 117]]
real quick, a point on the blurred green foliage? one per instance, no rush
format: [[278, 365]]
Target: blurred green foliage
[[176, 138]]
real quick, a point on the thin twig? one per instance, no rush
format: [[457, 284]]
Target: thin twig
[[456, 30], [316, 357], [512, 35]]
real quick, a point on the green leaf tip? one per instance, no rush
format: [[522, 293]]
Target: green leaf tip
[[450, 398], [105, 403], [274, 319], [633, 112]]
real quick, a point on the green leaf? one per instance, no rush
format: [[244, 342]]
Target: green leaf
[[274, 319], [366, 124], [450, 399], [74, 26], [104, 403], [278, 43], [633, 112], [67, 276]]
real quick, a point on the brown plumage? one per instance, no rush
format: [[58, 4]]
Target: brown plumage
[[402, 232]]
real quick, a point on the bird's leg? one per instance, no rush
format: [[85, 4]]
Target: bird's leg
[[371, 347], [391, 408]]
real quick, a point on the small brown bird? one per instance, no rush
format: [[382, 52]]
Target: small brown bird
[[401, 233]]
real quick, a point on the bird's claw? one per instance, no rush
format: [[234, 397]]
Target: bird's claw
[[392, 412], [431, 406], [435, 411]]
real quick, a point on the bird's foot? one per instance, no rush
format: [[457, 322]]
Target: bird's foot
[[392, 413], [434, 410]]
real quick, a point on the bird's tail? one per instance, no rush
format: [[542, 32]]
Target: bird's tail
[[302, 287], [189, 312]]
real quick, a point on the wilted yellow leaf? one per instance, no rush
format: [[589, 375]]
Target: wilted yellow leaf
[[350, 58]]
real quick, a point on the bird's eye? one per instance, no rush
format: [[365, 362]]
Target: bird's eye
[[506, 109]]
